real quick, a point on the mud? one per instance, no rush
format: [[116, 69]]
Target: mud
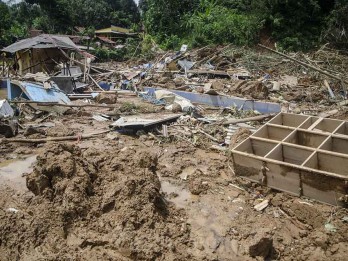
[[109, 208], [12, 171], [135, 198], [240, 135]]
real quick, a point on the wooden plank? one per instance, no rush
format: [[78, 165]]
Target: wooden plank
[[306, 162]]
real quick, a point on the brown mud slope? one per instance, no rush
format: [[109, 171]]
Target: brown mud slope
[[146, 201], [108, 207]]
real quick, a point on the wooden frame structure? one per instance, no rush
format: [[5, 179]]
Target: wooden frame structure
[[299, 154]]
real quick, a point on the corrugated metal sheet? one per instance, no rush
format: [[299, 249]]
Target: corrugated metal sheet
[[136, 122], [36, 92], [43, 41], [224, 101], [5, 109]]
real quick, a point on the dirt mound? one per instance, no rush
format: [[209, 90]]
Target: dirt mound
[[240, 135], [107, 98], [94, 205], [62, 176], [197, 184], [254, 89]]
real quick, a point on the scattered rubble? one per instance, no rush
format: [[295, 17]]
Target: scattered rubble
[[134, 159]]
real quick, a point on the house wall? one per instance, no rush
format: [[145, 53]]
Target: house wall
[[39, 60]]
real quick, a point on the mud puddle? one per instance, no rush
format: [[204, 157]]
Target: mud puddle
[[187, 172], [210, 218], [211, 221], [11, 172], [176, 194]]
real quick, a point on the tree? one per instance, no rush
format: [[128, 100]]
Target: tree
[[5, 24], [65, 14], [165, 17], [59, 12]]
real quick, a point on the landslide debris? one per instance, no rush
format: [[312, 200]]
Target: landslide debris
[[90, 205]]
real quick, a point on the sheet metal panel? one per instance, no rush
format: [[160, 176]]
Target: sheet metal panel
[[35, 92], [224, 101]]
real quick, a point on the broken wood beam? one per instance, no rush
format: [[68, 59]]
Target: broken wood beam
[[200, 72], [65, 138], [118, 92], [236, 121], [305, 64], [64, 105], [209, 136], [95, 83]]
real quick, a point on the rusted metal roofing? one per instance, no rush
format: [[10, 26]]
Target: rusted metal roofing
[[43, 41]]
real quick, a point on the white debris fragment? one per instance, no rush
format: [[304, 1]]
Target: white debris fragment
[[12, 210], [261, 206]]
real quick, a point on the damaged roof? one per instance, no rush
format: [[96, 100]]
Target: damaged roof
[[113, 29], [106, 40], [43, 41]]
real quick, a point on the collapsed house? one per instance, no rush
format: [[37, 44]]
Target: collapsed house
[[49, 55], [41, 53]]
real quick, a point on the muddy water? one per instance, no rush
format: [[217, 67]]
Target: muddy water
[[182, 195], [11, 172], [187, 172], [209, 217], [210, 222]]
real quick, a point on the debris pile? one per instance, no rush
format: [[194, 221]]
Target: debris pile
[[173, 158], [115, 204]]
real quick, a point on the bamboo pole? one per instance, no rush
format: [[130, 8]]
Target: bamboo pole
[[65, 105], [95, 83], [305, 64], [235, 121], [66, 138]]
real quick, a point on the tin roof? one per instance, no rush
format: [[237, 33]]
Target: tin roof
[[43, 41], [113, 29]]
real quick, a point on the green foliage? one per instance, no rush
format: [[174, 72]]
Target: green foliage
[[146, 47], [42, 23], [199, 22], [64, 14], [121, 54], [294, 24], [105, 55], [17, 30], [165, 18], [336, 30], [5, 23], [213, 23], [102, 54], [171, 42]]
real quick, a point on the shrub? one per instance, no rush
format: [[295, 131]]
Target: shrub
[[219, 25]]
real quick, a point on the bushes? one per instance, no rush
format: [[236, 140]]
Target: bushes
[[119, 55], [219, 25], [294, 24], [104, 55], [336, 29]]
